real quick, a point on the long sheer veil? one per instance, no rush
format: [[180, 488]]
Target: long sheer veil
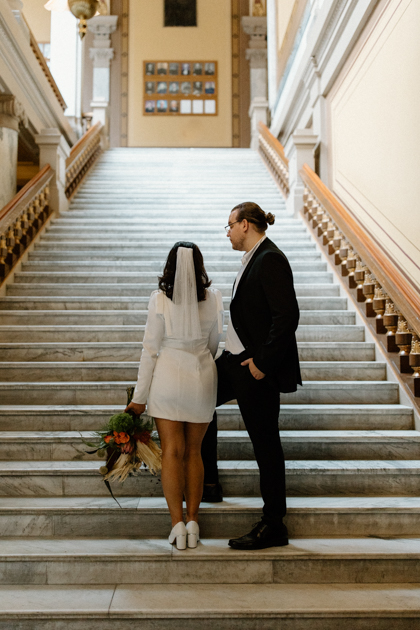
[[185, 320]]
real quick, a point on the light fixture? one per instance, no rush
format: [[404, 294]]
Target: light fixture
[[82, 9]]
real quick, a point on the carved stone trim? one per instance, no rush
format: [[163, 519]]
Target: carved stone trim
[[11, 112]]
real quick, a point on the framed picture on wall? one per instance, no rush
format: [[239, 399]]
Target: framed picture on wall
[[180, 88]]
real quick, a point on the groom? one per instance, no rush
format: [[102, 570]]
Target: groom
[[260, 360]]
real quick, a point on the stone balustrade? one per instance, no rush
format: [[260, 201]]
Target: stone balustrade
[[401, 336], [273, 155], [81, 158], [22, 218]]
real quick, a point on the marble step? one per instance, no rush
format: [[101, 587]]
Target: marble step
[[40, 561], [85, 258], [120, 333], [292, 244], [69, 276], [297, 417], [136, 303], [114, 393], [145, 517], [130, 351], [138, 317], [130, 258], [207, 240], [141, 290], [74, 220], [210, 606], [83, 371], [333, 478], [147, 229], [232, 445]]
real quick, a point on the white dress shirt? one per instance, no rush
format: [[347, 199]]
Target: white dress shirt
[[233, 343]]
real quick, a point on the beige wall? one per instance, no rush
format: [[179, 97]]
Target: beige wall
[[38, 18], [210, 40], [375, 132], [284, 13]]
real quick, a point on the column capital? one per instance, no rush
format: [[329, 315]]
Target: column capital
[[102, 26], [11, 112], [257, 57], [101, 57], [256, 28]]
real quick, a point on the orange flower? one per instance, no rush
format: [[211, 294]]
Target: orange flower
[[124, 438], [107, 438]]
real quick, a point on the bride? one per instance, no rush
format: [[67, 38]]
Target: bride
[[178, 379]]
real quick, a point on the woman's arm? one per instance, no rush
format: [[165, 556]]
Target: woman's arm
[[153, 335], [216, 331]]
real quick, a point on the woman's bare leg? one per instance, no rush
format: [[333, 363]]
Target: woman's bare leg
[[193, 467], [172, 439]]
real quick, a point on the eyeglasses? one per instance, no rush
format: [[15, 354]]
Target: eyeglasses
[[228, 227]]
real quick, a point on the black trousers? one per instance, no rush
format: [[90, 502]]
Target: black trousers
[[259, 404]]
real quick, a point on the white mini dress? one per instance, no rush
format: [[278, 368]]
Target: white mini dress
[[177, 378]]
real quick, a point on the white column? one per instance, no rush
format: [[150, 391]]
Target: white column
[[54, 151], [66, 63], [299, 151], [272, 51], [101, 54], [11, 114], [256, 27]]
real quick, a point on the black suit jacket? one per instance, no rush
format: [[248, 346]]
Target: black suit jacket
[[265, 315]]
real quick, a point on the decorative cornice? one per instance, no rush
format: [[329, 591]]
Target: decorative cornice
[[254, 26], [32, 84], [102, 27], [11, 112]]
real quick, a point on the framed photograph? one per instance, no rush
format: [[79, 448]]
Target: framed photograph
[[210, 87], [149, 107], [162, 106], [185, 87], [174, 107], [162, 87], [162, 67], [197, 88], [174, 87], [180, 88]]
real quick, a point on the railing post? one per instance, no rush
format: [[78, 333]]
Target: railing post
[[54, 150], [299, 152]]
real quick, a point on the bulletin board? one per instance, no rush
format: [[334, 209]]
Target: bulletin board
[[180, 88]]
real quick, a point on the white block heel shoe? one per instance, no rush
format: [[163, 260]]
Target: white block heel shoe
[[193, 534], [178, 536]]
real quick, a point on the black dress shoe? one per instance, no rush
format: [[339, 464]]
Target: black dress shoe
[[212, 494], [261, 537]]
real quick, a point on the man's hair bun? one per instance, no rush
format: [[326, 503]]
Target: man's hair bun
[[270, 218]]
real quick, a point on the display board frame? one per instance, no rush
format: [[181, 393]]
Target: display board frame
[[180, 88]]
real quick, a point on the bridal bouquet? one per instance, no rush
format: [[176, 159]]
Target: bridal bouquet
[[127, 441]]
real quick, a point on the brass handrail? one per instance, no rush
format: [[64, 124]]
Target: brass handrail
[[44, 66], [388, 294], [22, 217], [273, 154], [82, 156]]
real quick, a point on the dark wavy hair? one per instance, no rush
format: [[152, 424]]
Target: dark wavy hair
[[166, 281], [254, 214]]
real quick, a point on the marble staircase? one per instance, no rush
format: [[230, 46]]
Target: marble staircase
[[71, 326]]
